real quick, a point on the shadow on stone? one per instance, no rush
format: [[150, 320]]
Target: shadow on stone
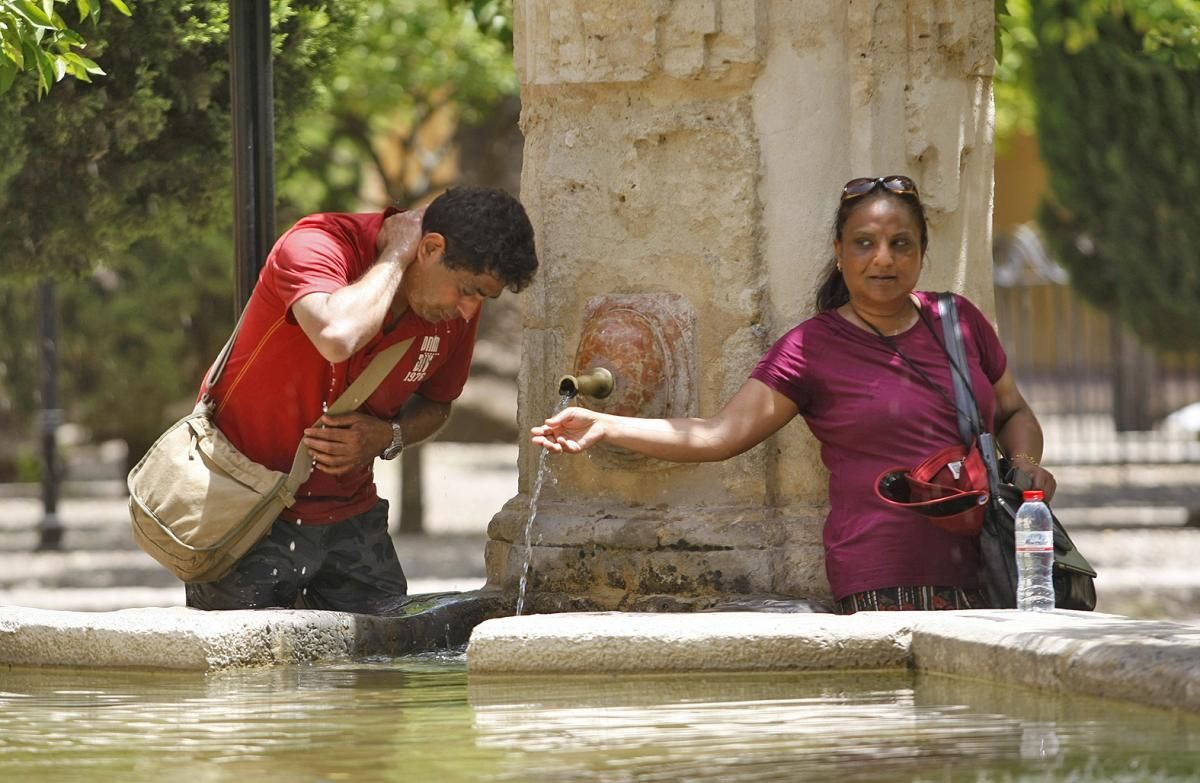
[[430, 621]]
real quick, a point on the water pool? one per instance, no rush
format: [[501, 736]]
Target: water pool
[[418, 719]]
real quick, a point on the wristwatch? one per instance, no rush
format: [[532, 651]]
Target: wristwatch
[[393, 451]]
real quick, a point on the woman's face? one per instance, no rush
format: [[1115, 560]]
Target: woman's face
[[880, 252]]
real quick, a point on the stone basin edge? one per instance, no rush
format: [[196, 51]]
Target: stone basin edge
[[1073, 653], [184, 639], [1141, 661]]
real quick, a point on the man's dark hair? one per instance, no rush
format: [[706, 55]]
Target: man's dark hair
[[486, 231]]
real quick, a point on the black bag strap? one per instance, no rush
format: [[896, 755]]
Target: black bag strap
[[970, 422]]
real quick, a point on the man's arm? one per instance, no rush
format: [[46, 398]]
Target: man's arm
[[351, 440], [420, 420], [340, 323]]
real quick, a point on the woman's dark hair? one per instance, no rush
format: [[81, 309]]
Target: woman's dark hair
[[486, 231], [832, 291]]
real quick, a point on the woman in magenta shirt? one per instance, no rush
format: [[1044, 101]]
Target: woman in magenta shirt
[[868, 406]]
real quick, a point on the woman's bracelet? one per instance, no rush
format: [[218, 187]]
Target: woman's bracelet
[[1027, 458]]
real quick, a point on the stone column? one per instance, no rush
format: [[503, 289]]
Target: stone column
[[683, 162]]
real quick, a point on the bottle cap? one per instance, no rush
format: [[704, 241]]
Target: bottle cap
[[1033, 494]]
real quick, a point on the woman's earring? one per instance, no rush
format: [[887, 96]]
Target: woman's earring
[[839, 268]]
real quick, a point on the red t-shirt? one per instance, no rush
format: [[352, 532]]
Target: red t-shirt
[[871, 412], [276, 382]]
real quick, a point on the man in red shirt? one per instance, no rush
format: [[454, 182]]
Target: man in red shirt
[[335, 291]]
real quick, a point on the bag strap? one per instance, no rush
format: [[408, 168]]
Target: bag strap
[[218, 366], [369, 379], [970, 423], [363, 387]]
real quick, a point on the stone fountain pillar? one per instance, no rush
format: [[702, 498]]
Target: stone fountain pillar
[[683, 161]]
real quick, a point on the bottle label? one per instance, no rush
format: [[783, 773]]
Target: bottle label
[[1035, 541]]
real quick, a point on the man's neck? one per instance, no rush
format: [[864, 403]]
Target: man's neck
[[396, 311]]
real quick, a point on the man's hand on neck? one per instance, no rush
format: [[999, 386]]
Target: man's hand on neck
[[397, 244], [339, 324], [398, 238]]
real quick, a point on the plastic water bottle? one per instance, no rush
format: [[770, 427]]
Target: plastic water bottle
[[1035, 554]]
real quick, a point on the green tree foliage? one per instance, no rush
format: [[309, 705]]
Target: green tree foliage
[[418, 68], [133, 339], [34, 37], [1168, 32], [121, 189], [1118, 123], [1015, 41], [92, 168]]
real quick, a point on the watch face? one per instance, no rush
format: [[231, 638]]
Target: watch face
[[397, 443]]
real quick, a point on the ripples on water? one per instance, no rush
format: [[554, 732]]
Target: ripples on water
[[418, 719]]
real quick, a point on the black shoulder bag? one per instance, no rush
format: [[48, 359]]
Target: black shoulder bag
[[1074, 585]]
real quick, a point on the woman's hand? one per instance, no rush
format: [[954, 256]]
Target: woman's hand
[[572, 430], [750, 417], [1039, 477]]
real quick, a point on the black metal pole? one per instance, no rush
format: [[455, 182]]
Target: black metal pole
[[50, 530], [252, 96]]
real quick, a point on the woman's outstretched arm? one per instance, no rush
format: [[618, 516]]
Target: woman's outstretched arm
[[752, 415]]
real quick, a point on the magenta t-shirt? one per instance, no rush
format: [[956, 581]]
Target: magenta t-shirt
[[871, 411]]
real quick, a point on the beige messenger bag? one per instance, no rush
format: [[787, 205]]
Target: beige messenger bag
[[198, 504]]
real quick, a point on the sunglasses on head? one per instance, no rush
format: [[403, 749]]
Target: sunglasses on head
[[896, 183]]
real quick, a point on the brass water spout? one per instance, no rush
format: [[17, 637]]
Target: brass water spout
[[596, 382]]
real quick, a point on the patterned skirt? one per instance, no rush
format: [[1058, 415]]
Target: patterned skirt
[[921, 599]]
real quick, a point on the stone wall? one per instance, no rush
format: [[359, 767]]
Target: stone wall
[[693, 151]]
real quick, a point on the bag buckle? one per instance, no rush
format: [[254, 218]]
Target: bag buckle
[[205, 405]]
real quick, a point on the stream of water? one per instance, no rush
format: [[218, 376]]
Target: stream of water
[[563, 402]]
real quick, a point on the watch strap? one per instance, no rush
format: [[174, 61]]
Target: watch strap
[[397, 445]]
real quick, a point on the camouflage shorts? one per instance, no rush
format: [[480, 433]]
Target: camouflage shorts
[[350, 566]]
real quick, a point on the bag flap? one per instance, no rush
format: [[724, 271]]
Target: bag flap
[[214, 445], [1071, 560]]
